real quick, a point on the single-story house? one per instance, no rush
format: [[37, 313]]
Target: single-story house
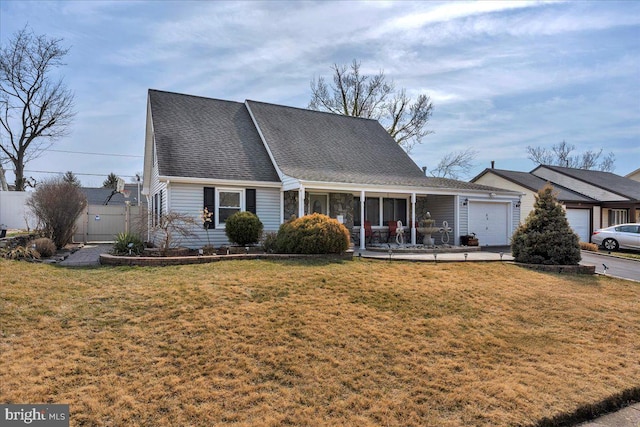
[[279, 162], [593, 199]]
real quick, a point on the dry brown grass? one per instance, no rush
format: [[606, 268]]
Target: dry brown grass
[[275, 343]]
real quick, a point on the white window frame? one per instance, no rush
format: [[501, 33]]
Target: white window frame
[[240, 191], [618, 216]]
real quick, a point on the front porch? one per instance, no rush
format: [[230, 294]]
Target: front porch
[[368, 214]]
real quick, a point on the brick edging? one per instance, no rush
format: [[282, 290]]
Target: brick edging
[[563, 269], [114, 260]]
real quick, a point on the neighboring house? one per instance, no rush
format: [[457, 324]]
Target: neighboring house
[[635, 175], [279, 162], [593, 199]]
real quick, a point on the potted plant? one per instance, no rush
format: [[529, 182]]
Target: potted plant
[[469, 240]]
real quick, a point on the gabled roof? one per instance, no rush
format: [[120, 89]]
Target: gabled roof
[[606, 180], [318, 146], [535, 183], [200, 137], [206, 138]]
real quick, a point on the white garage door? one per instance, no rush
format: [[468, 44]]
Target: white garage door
[[579, 222], [490, 222]]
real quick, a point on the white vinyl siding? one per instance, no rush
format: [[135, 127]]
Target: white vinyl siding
[[268, 208], [189, 199], [442, 208]]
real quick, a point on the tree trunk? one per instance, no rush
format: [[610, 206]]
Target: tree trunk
[[19, 171], [3, 180]]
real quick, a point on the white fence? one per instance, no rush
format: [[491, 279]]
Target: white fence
[[14, 213]]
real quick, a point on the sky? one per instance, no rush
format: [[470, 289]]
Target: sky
[[502, 75]]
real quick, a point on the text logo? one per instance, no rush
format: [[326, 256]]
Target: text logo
[[34, 415]]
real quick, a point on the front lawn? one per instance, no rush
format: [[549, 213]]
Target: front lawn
[[308, 343]]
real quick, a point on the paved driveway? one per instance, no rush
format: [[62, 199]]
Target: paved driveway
[[624, 268]]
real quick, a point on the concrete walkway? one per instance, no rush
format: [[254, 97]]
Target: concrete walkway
[[87, 256], [476, 256]]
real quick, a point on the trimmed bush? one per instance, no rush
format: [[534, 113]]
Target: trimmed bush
[[44, 246], [313, 234], [121, 246], [243, 228], [545, 237]]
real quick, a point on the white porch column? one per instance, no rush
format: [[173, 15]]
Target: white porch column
[[413, 218], [281, 207], [301, 202], [362, 236]]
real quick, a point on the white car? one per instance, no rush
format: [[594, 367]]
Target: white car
[[621, 236]]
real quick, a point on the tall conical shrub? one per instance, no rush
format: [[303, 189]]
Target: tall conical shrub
[[546, 237]]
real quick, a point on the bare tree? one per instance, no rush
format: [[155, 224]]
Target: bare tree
[[455, 164], [560, 155], [57, 204], [171, 227], [35, 108], [358, 95]]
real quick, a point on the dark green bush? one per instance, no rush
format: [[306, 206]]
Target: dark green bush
[[44, 246], [121, 247], [243, 228], [270, 242], [313, 234], [546, 237]]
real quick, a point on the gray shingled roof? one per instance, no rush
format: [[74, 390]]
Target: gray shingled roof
[[606, 180], [535, 183], [207, 138], [318, 146]]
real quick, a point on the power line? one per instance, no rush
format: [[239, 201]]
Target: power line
[[96, 154], [77, 173]]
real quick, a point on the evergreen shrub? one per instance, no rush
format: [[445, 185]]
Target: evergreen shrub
[[243, 228], [546, 237], [313, 234]]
